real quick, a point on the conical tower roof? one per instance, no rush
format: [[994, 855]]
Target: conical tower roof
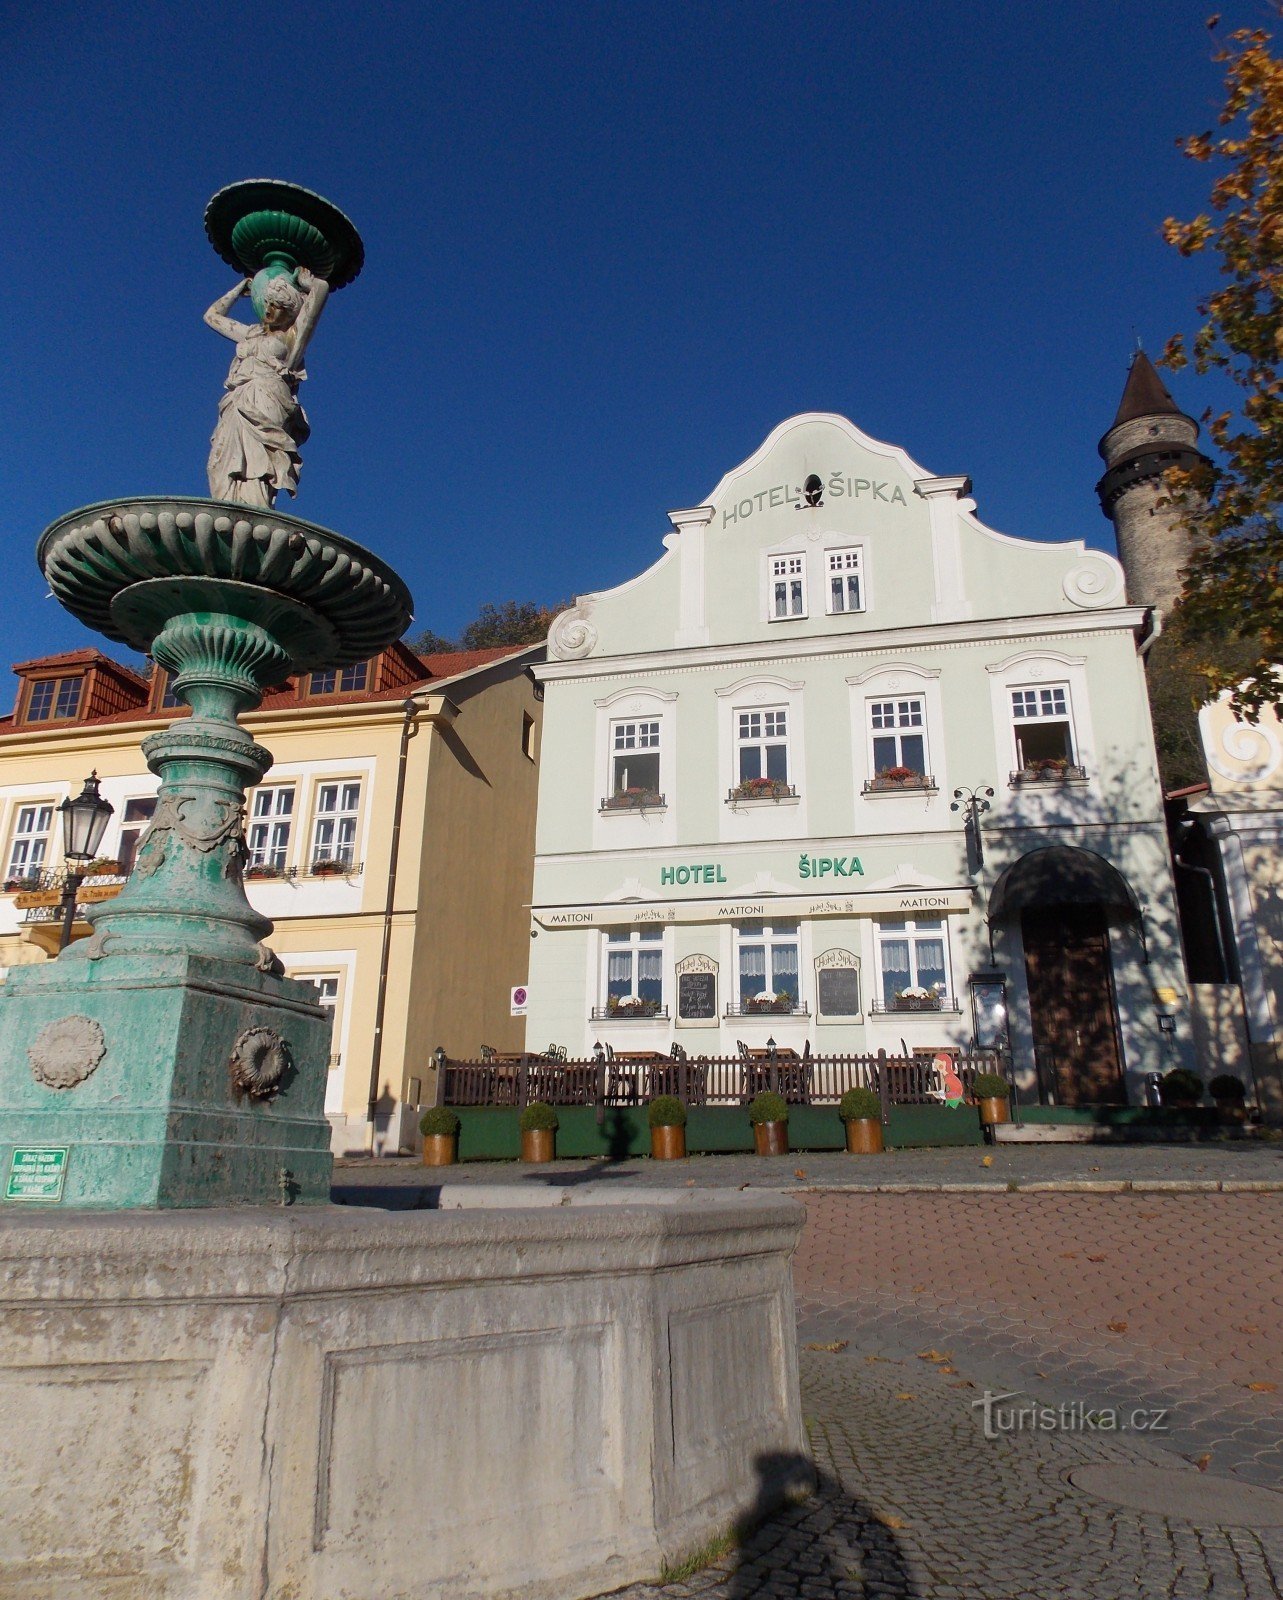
[[1144, 394]]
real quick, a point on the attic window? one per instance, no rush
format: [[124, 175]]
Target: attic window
[[332, 680], [54, 699]]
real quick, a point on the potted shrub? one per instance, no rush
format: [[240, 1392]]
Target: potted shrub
[[538, 1132], [769, 1115], [1230, 1096], [990, 1091], [666, 1115], [1181, 1089], [440, 1129], [861, 1111]]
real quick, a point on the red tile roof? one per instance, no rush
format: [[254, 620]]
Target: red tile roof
[[444, 664]]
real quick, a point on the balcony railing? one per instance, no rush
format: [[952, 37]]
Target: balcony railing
[[322, 867], [1048, 773]]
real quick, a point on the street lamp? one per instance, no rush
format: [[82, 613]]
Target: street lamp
[[975, 802], [84, 821]]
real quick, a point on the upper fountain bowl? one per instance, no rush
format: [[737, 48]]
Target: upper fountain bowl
[[263, 221], [120, 565]]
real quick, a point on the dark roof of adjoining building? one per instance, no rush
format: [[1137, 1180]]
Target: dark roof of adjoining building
[[1144, 393]]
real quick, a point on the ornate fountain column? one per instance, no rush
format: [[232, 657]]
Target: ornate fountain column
[[167, 1056]]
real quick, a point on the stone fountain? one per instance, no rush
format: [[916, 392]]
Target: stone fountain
[[209, 1390], [167, 1054]]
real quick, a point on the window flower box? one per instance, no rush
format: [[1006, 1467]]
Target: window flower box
[[104, 867], [917, 1000], [891, 778], [625, 1006], [781, 1004], [633, 800], [264, 869], [762, 789], [1051, 769], [22, 885], [328, 868]]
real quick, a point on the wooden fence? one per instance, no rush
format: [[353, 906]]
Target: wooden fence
[[703, 1080]]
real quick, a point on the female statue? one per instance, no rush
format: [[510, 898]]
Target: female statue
[[254, 452]]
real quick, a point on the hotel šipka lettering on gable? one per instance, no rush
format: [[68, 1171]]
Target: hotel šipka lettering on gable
[[750, 754]]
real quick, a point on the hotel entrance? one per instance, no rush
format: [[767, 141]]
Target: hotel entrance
[[1065, 900]]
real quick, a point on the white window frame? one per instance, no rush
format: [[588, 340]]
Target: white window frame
[[1042, 715], [634, 941], [37, 837], [913, 931], [768, 736], [840, 563], [771, 936], [641, 735], [900, 707], [786, 572], [329, 995], [133, 827], [269, 821], [340, 814]]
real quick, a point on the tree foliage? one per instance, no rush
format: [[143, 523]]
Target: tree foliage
[[510, 622], [1179, 680], [1234, 586]]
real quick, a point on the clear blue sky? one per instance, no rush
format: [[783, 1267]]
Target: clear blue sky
[[608, 247]]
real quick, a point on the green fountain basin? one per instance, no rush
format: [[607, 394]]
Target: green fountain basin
[[256, 223], [123, 567]]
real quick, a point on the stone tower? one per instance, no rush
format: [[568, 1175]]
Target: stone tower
[[1150, 434]]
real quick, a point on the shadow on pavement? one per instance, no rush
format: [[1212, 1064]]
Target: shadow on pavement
[[830, 1541]]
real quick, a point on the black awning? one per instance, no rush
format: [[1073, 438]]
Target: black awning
[[1061, 876]]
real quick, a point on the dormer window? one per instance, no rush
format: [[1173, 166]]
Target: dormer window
[[54, 699], [335, 680]]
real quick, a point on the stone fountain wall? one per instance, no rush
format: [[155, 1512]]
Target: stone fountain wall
[[339, 1404]]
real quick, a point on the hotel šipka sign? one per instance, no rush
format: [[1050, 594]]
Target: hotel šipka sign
[[837, 486]]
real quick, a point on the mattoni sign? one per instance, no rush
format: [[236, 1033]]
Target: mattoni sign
[[866, 903], [837, 486]]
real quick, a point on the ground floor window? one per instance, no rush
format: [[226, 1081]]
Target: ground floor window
[[634, 971], [767, 963], [913, 962]]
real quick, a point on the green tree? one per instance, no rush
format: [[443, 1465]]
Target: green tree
[[1178, 678], [1234, 587], [511, 622]]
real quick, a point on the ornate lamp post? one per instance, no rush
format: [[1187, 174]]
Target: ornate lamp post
[[975, 802], [194, 1066], [84, 821]]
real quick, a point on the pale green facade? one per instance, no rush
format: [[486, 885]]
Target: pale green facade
[[904, 619]]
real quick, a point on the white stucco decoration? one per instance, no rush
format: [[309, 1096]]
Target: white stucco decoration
[[1097, 581], [571, 636], [65, 1052], [1255, 749], [901, 669]]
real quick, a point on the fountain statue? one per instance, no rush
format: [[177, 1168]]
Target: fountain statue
[[168, 1051]]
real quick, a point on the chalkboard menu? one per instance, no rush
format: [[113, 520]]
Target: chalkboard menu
[[696, 995], [839, 991]]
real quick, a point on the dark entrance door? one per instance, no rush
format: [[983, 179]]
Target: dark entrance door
[[1071, 996]]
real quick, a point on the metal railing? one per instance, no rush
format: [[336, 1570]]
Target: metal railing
[[642, 1013], [919, 783], [910, 1008]]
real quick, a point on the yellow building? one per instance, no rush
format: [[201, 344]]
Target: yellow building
[[392, 844]]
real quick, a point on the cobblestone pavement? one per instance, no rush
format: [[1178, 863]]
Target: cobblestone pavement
[[1172, 1301], [405, 1181], [914, 1502]]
